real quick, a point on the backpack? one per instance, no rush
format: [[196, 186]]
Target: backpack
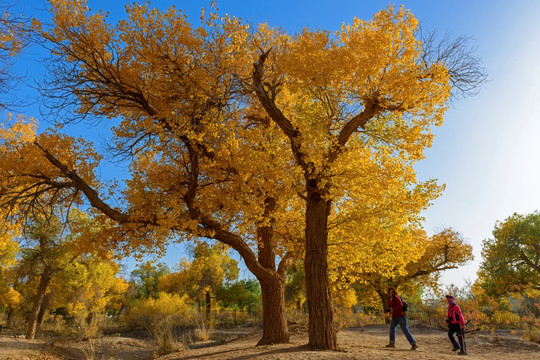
[[405, 306]]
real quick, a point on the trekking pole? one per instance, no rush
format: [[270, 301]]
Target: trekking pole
[[464, 330]]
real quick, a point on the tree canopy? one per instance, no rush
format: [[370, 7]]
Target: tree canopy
[[511, 259], [247, 135]]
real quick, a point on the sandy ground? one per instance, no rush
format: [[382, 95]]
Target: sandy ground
[[356, 343], [369, 343], [110, 348]]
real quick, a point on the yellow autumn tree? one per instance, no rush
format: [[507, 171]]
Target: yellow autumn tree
[[370, 234], [410, 259], [247, 136], [87, 287], [44, 252], [48, 248], [368, 93], [201, 277], [195, 157], [511, 257]]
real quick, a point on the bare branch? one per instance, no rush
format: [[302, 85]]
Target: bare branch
[[464, 66]]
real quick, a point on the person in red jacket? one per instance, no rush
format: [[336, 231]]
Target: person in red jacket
[[395, 306], [456, 325]]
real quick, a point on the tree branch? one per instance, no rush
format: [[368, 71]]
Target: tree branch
[[275, 113], [86, 189], [285, 264], [371, 109]]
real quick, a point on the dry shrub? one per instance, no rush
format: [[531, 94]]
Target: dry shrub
[[81, 332], [162, 332], [90, 331], [243, 317], [299, 317], [297, 321], [204, 329], [89, 350], [477, 317], [170, 307], [160, 316], [429, 315], [56, 324], [228, 317], [531, 327], [345, 318]]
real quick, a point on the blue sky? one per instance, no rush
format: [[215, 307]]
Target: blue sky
[[487, 150]]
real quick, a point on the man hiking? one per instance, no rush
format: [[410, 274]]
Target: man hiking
[[395, 306]]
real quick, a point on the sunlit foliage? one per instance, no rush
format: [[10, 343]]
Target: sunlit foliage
[[247, 135], [511, 259], [87, 286]]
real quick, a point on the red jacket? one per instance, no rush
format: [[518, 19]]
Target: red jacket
[[396, 305], [454, 314]]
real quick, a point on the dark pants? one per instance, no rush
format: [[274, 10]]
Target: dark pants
[[456, 329]]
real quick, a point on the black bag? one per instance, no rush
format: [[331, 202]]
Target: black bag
[[405, 306]]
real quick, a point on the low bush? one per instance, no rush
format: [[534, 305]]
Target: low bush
[[531, 326], [160, 316]]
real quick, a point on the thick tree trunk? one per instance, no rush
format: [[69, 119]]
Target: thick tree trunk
[[38, 302], [322, 332], [264, 268], [275, 330]]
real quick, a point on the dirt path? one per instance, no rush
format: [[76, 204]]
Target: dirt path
[[113, 348], [367, 343]]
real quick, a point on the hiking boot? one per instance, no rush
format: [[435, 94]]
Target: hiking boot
[[462, 353], [391, 345], [456, 349], [414, 347]]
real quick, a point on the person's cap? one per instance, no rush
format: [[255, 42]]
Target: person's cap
[[450, 297]]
